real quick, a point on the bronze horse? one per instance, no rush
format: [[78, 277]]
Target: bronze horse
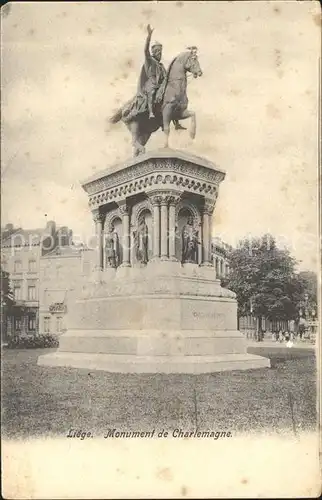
[[172, 104]]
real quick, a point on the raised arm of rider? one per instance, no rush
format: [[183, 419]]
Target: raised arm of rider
[[147, 47]]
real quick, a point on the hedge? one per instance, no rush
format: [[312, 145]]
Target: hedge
[[33, 341]]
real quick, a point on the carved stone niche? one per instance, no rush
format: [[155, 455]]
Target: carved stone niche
[[141, 210]]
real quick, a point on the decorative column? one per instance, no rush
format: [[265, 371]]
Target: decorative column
[[99, 222], [155, 200], [200, 251], [173, 200], [124, 210], [205, 249], [164, 227], [206, 231]]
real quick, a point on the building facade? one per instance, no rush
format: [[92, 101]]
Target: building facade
[[62, 272], [220, 251], [21, 252]]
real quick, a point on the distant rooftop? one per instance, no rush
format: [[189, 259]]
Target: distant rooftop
[[220, 245], [19, 237]]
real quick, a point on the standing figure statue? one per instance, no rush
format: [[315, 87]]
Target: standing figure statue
[[161, 95], [141, 237], [190, 242], [112, 248]]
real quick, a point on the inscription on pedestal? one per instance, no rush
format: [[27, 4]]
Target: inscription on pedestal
[[207, 315], [203, 315]]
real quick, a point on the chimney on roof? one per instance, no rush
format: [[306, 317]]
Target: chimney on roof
[[7, 230], [51, 227], [70, 236], [63, 236], [49, 238]]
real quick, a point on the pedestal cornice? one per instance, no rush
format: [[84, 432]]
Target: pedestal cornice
[[177, 172]]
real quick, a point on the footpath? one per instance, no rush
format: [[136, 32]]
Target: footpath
[[278, 345]]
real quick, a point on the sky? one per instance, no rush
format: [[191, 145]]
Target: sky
[[66, 67]]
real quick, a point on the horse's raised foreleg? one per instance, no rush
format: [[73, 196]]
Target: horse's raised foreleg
[[190, 114], [167, 117]]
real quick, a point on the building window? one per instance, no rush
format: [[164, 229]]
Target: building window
[[32, 265], [59, 324], [18, 324], [17, 291], [47, 324], [17, 266], [32, 322], [32, 295]]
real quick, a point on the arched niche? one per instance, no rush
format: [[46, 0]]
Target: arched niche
[[142, 210], [114, 218], [185, 210], [110, 219]]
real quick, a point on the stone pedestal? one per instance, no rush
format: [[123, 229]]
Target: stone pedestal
[[164, 316]]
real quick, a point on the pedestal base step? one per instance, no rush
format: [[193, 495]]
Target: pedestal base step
[[118, 363]]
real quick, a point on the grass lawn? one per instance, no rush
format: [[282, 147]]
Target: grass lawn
[[39, 400]]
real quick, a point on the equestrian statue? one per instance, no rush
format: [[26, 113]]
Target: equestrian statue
[[161, 96]]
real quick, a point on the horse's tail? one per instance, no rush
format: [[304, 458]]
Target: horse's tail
[[117, 116]]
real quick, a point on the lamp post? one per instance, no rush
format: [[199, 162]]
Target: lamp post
[[251, 308], [306, 299], [313, 326]]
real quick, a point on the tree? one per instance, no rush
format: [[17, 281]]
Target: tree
[[264, 279], [6, 292], [7, 301]]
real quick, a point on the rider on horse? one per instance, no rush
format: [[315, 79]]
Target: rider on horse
[[161, 97], [153, 74]]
